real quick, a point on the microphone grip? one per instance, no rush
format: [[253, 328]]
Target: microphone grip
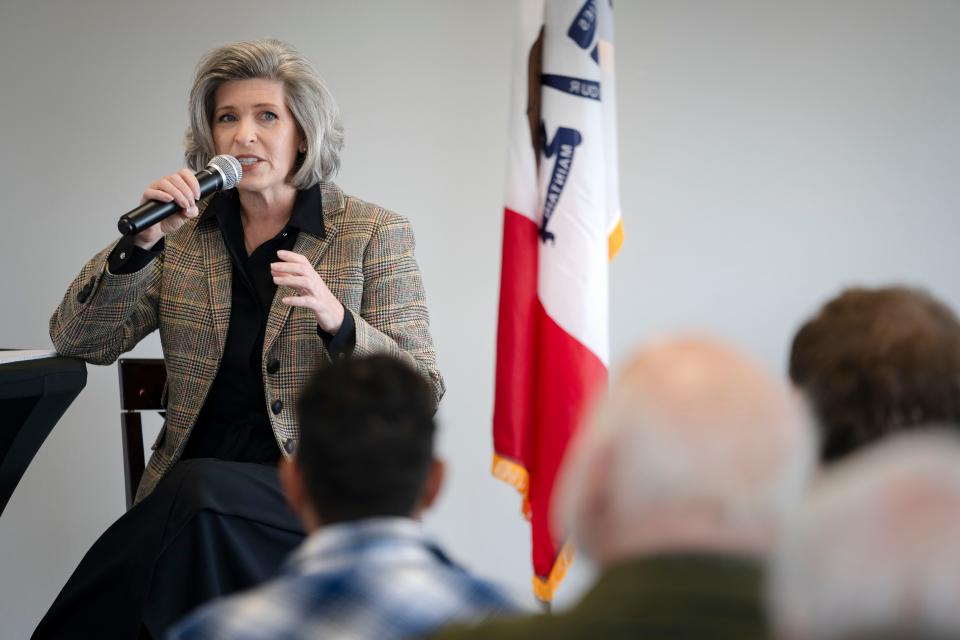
[[147, 214], [153, 211]]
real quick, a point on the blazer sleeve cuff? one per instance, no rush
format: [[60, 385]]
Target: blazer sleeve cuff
[[342, 343]]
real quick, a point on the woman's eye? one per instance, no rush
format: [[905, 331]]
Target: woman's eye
[[270, 115], [227, 117]]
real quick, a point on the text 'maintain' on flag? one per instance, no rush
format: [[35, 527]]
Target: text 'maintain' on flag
[[561, 227]]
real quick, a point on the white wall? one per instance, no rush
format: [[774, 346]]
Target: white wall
[[771, 154]]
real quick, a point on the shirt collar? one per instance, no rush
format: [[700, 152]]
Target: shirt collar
[[307, 214], [331, 545]]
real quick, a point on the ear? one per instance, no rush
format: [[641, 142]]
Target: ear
[[598, 481], [589, 470], [291, 481], [431, 487], [301, 141], [295, 490]]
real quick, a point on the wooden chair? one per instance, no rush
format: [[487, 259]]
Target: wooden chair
[[141, 389]]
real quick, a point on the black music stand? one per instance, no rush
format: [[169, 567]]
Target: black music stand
[[34, 394]]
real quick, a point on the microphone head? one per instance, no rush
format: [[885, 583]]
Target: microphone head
[[228, 167]]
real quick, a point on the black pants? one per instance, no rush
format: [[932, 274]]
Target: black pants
[[210, 528]]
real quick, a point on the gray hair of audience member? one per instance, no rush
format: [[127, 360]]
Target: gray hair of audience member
[[695, 447], [874, 552], [307, 97]]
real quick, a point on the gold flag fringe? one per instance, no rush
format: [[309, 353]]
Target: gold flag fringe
[[544, 589], [615, 240], [514, 474]]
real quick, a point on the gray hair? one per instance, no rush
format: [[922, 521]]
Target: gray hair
[[874, 550], [694, 425], [308, 99]]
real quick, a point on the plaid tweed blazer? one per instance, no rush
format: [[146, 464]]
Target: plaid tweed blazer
[[366, 259]]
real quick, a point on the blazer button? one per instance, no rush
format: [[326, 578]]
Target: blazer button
[[273, 366], [277, 406], [289, 445]]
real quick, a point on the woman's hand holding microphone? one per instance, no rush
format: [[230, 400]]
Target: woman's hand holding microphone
[[181, 187]]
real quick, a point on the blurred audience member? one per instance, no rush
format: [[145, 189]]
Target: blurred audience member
[[875, 361], [364, 470], [677, 490], [874, 553]]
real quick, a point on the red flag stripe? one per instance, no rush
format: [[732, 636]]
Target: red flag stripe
[[515, 397], [568, 376], [545, 378]]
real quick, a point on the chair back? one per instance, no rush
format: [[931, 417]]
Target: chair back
[[141, 389]]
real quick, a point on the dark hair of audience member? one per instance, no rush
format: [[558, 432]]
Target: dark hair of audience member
[[875, 361], [366, 438]]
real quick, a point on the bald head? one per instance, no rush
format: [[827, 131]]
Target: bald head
[[705, 390], [696, 448]]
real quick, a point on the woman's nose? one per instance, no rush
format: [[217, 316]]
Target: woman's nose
[[246, 132]]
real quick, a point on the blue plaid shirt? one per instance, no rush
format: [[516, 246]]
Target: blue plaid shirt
[[376, 578]]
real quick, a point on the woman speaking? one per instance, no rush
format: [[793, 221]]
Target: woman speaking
[[251, 289]]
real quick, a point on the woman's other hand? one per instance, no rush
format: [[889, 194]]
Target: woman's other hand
[[296, 272], [181, 187]]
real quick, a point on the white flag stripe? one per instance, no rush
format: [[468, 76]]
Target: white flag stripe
[[573, 271], [522, 196], [609, 87]]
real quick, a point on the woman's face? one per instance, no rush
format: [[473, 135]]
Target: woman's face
[[251, 122]]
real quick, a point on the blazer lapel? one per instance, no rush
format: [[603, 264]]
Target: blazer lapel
[[313, 249]]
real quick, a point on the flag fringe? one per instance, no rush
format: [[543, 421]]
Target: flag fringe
[[615, 240], [544, 589], [514, 474]]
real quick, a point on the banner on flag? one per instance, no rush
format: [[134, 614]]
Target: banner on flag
[[562, 225]]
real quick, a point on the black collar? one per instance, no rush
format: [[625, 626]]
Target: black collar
[[307, 212]]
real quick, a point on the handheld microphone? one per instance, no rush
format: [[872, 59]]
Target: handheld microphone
[[222, 172]]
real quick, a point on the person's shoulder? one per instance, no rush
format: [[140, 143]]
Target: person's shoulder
[[464, 594], [504, 628], [265, 612], [359, 212], [489, 595]]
